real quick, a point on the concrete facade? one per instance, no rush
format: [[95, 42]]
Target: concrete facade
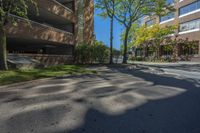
[[178, 19], [54, 30]]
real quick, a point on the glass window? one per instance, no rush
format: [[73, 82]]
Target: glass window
[[189, 8], [191, 25], [189, 50], [167, 17]]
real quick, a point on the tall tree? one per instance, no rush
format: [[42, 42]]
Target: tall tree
[[7, 7], [107, 8], [128, 12]]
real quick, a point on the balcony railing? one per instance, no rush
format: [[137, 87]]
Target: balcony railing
[[44, 25], [63, 6], [57, 8], [39, 31]]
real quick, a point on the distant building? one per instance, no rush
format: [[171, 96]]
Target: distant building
[[187, 15], [52, 35]]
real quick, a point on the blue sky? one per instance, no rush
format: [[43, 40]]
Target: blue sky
[[102, 31]]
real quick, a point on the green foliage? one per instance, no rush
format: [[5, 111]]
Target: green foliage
[[159, 34], [129, 48], [130, 40], [155, 34], [106, 8], [88, 54], [16, 7], [161, 8], [100, 52], [83, 53], [168, 47], [189, 44], [142, 35], [8, 7], [131, 35], [139, 58], [128, 12]]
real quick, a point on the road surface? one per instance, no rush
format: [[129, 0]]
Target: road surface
[[117, 100]]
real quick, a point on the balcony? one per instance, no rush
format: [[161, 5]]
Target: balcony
[[37, 31], [68, 3], [53, 10]]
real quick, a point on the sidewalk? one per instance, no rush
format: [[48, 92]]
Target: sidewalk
[[166, 63], [189, 70]]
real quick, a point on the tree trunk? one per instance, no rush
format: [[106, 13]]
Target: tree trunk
[[111, 40], [3, 52], [158, 53], [157, 46], [125, 56], [175, 52]]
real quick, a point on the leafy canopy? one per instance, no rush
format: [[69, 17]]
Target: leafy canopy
[[17, 7], [155, 33], [106, 8], [129, 11]]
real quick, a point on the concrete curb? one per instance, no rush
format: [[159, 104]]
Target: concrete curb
[[164, 63]]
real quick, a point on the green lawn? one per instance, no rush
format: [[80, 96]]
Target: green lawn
[[15, 76]]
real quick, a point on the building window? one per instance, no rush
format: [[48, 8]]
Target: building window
[[149, 23], [139, 52], [166, 51], [191, 25], [189, 50], [189, 8], [167, 17]]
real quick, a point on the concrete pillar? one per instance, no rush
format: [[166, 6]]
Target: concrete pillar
[[89, 21], [84, 26], [76, 29]]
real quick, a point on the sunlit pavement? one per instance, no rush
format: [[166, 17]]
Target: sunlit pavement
[[117, 100], [181, 69]]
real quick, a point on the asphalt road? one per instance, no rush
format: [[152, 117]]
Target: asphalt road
[[117, 100]]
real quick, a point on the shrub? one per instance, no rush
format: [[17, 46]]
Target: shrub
[[88, 54], [139, 58], [83, 53]]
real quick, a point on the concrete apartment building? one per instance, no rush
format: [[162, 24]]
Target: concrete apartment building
[[51, 35], [187, 15]]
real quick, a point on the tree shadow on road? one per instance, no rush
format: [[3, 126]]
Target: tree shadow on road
[[118, 101], [176, 114]]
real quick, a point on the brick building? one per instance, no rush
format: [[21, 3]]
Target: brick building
[[52, 34], [187, 16]]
